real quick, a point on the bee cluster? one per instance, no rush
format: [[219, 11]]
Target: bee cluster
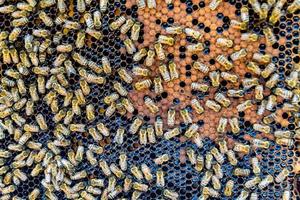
[[71, 129]]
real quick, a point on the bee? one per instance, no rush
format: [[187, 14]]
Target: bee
[[245, 14], [220, 98], [116, 171], [143, 136], [160, 179], [20, 175], [241, 148], [150, 58], [34, 194], [196, 106], [208, 160], [217, 155], [265, 182], [275, 15], [126, 27], [201, 67], [253, 67], [216, 182], [249, 82], [171, 117], [90, 112], [4, 35], [171, 133], [243, 195], [61, 5], [134, 127], [127, 105], [6, 56], [213, 105], [151, 134], [144, 84], [140, 186], [135, 31], [77, 128], [162, 39], [284, 93], [285, 142], [158, 87], [193, 33], [111, 98], [103, 5], [44, 45], [283, 134], [228, 188], [241, 172], [141, 4], [210, 192], [127, 184], [261, 128], [130, 47], [159, 51], [162, 159], [282, 176], [94, 133], [14, 34], [251, 37], [140, 54], [286, 195], [158, 126], [199, 87], [224, 42], [265, 7], [41, 33], [244, 105], [238, 55], [96, 149], [124, 75], [138, 71], [103, 129], [94, 33], [234, 125], [173, 71], [270, 118], [214, 4], [8, 189], [46, 19], [271, 103], [164, 73], [118, 23], [46, 3], [215, 78], [260, 58], [41, 122], [238, 25], [136, 172], [60, 19], [291, 9], [223, 61], [258, 92], [80, 6], [270, 37], [80, 40], [191, 131], [7, 9], [292, 79], [170, 194], [185, 116], [191, 155], [252, 182]]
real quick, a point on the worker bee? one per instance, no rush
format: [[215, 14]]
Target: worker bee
[[14, 34], [208, 160], [220, 98], [162, 39], [244, 105], [234, 125], [249, 82], [116, 170], [134, 127], [123, 161], [6, 56], [171, 133], [162, 159], [261, 58], [241, 148], [8, 189], [164, 72], [213, 105], [261, 128], [223, 61], [160, 179], [127, 184], [270, 37], [199, 87], [94, 33], [251, 37], [41, 33], [241, 172], [214, 4], [138, 71], [150, 58], [252, 182], [292, 79], [106, 65], [41, 122], [282, 176], [158, 126], [140, 54], [159, 51], [254, 68], [243, 195], [34, 194], [265, 7], [245, 14], [135, 31], [174, 30], [217, 155], [119, 137], [193, 33], [284, 93], [283, 134], [255, 166], [185, 116], [151, 105], [275, 15], [224, 42], [7, 9], [128, 105], [191, 131], [120, 89], [126, 26], [136, 172], [46, 19], [79, 43], [291, 9], [140, 186], [201, 67], [206, 178], [228, 188], [118, 23], [238, 25], [170, 194], [271, 102], [265, 182], [143, 136], [196, 106], [124, 75], [151, 134], [64, 48], [158, 87], [103, 129], [171, 117], [215, 78], [130, 48], [173, 71], [258, 92], [90, 112], [238, 55], [94, 133], [285, 142]]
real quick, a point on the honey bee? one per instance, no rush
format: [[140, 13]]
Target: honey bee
[[243, 195], [124, 75], [164, 72], [143, 136], [136, 172], [103, 129], [228, 188], [171, 117], [245, 14], [201, 67], [128, 105], [174, 30], [138, 71], [103, 5], [199, 87], [158, 126], [170, 194], [238, 55], [90, 112], [275, 15], [193, 33], [34, 194], [223, 61], [238, 25], [271, 103], [241, 172], [261, 128], [8, 189], [173, 71], [220, 98], [140, 186], [217, 155], [265, 182], [150, 58], [7, 9], [292, 79], [244, 105], [135, 31], [254, 68], [46, 19], [282, 134], [213, 105], [270, 37], [41, 122], [160, 179], [214, 4], [158, 87], [129, 45], [134, 127], [241, 148], [41, 33], [171, 133], [284, 93], [196, 106], [151, 105], [282, 176], [140, 54], [162, 39], [252, 182], [285, 142], [265, 7], [127, 184], [260, 58], [234, 124], [162, 159], [126, 27], [206, 178], [251, 37], [119, 137], [14, 34], [94, 33], [79, 43], [185, 116], [159, 51], [291, 9], [118, 23], [191, 131], [258, 92]]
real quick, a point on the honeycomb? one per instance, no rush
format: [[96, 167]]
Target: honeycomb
[[149, 99]]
